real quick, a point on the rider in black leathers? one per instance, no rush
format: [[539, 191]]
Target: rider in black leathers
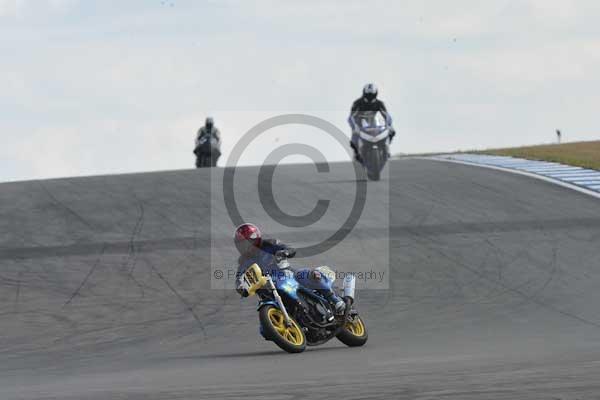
[[367, 102], [209, 130]]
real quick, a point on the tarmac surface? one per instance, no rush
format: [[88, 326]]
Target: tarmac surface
[[107, 288]]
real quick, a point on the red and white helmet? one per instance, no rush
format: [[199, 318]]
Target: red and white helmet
[[247, 238]]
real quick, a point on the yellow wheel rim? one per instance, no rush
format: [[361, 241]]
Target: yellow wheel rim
[[291, 333], [356, 327]]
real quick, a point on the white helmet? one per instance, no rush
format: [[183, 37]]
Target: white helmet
[[370, 92]]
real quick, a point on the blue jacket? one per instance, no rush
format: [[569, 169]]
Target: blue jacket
[[264, 257]]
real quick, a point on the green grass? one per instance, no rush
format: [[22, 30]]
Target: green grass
[[580, 154]]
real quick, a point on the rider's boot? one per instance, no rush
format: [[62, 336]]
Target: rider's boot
[[340, 307], [357, 157], [354, 147], [338, 304]]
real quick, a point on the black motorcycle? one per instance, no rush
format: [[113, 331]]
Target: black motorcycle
[[207, 151]]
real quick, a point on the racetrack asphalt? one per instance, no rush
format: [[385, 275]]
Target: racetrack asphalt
[[105, 289]]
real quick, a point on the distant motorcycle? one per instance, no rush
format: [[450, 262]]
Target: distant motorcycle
[[207, 151], [294, 313], [373, 148]]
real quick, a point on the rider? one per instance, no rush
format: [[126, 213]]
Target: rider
[[367, 102], [209, 130], [267, 253]]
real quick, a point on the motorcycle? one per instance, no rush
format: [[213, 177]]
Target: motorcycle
[[294, 313], [207, 151], [373, 142]]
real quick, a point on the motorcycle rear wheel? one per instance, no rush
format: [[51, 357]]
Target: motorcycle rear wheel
[[354, 334], [289, 338]]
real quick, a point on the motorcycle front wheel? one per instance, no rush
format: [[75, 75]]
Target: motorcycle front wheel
[[289, 338], [373, 165]]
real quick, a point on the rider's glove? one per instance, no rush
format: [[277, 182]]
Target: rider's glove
[[290, 252], [392, 134], [242, 287], [285, 253]]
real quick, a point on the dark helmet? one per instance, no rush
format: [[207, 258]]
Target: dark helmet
[[370, 92], [247, 237], [209, 123]]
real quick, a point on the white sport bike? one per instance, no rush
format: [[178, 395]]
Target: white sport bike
[[374, 134]]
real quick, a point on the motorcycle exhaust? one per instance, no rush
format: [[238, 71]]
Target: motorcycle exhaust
[[349, 285]]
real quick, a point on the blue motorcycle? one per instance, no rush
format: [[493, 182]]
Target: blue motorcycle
[[294, 311]]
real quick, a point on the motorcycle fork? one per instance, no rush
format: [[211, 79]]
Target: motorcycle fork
[[279, 301]]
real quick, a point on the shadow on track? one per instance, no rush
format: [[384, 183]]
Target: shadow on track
[[341, 181], [265, 353]]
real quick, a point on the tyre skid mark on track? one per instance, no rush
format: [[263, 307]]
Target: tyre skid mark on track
[[420, 221], [68, 209], [459, 305], [498, 291], [132, 253], [186, 246], [551, 275], [180, 297], [188, 242], [518, 292], [108, 327], [18, 291], [89, 274]]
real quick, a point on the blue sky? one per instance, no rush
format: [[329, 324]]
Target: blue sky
[[91, 87]]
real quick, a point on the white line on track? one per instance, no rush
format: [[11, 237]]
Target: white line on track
[[575, 178]]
